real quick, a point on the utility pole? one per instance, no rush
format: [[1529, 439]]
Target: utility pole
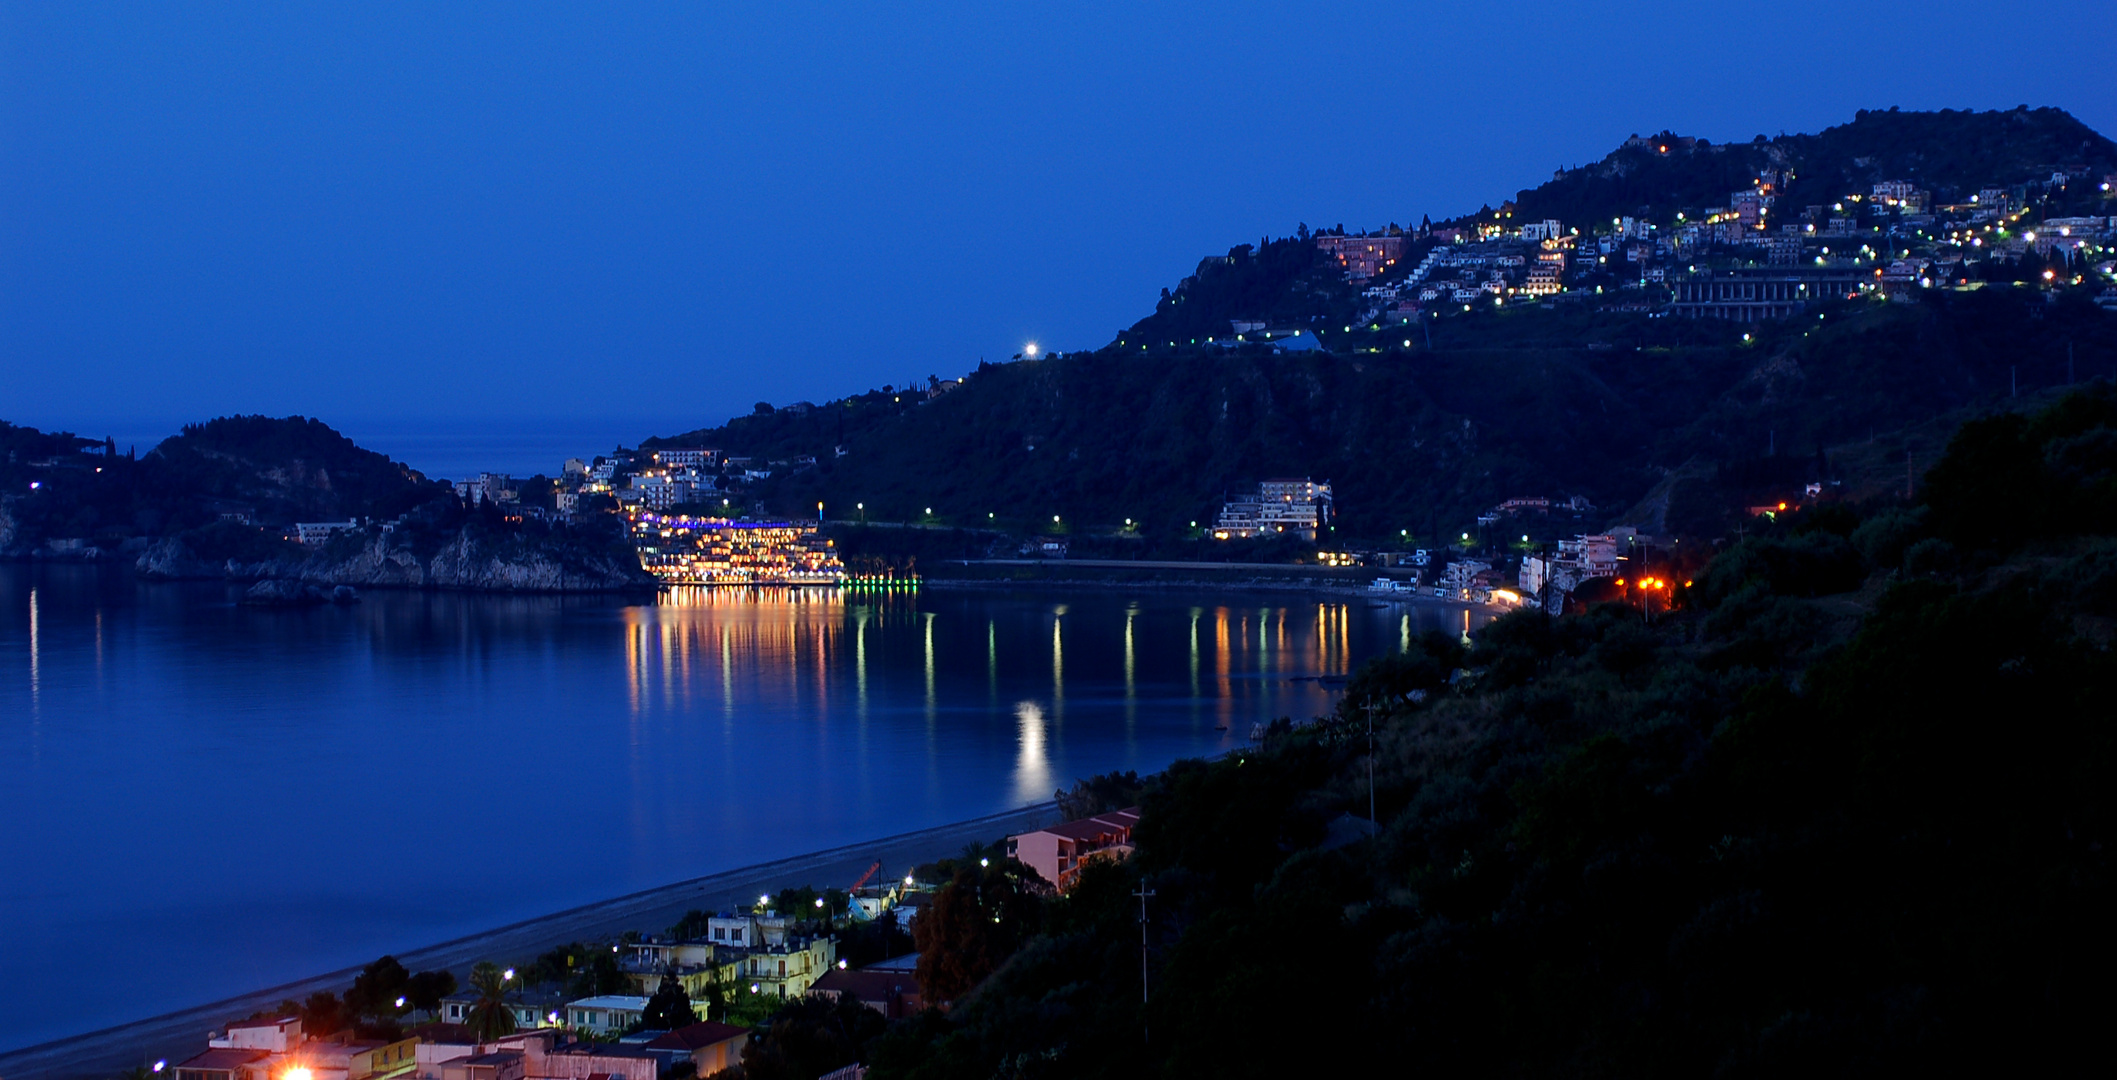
[[1144, 895], [1373, 826]]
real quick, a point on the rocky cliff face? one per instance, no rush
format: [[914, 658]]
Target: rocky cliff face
[[467, 563], [462, 562]]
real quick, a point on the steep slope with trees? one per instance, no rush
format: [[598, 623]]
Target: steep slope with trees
[[1843, 810]]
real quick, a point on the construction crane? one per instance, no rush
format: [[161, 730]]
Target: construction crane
[[871, 872]]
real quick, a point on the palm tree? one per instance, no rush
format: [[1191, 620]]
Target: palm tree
[[490, 1016]]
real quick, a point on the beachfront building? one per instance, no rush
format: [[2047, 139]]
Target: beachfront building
[[1058, 853], [684, 550]]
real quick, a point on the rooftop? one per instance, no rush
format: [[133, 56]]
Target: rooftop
[[696, 1036], [1099, 825], [261, 1022], [224, 1058], [596, 1049], [609, 1001]]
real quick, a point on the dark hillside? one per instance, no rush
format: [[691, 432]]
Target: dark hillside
[[1285, 283], [1952, 152], [1525, 402], [281, 471], [1841, 810]]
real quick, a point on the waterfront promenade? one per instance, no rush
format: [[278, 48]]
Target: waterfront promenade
[[102, 1055]]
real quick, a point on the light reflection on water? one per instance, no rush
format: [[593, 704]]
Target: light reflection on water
[[430, 765]]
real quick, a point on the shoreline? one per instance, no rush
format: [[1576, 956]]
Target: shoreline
[[173, 1036]]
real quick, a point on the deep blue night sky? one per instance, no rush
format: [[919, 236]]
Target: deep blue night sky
[[432, 214]]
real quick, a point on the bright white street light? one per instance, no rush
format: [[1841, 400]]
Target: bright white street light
[[1029, 350]]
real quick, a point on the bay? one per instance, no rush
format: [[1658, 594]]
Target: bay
[[199, 799]]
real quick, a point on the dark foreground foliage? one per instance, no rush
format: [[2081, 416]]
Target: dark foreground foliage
[[1844, 812]]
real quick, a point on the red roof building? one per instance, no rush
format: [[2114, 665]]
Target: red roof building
[[1059, 852], [710, 1045], [894, 994]]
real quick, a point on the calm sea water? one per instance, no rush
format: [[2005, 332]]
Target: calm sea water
[[199, 799]]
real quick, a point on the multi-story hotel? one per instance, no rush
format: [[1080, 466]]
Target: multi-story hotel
[[718, 551], [1279, 506]]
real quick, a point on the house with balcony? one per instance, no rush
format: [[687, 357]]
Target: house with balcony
[[787, 968]]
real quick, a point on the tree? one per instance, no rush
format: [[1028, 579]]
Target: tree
[[691, 926], [975, 923], [490, 1016], [669, 1008], [376, 989], [712, 997], [322, 1014], [810, 1037], [425, 990]]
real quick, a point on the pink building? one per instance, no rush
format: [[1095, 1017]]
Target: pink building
[[1059, 852]]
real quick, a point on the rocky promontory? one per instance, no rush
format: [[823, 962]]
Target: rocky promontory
[[463, 560]]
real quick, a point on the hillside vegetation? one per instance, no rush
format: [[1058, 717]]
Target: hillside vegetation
[[1843, 811], [1953, 152], [1524, 402]]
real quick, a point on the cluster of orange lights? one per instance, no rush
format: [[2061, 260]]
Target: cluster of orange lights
[[1653, 584]]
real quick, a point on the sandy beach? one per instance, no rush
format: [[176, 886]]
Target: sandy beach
[[175, 1036]]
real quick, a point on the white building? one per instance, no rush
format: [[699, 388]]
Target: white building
[[608, 1014], [687, 457], [660, 492], [1280, 506], [311, 533]]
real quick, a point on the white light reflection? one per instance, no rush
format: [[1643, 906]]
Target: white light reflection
[[36, 653], [1032, 771], [860, 659], [1058, 656], [929, 668]]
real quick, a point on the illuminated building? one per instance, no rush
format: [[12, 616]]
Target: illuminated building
[[1279, 506], [1362, 256], [717, 551]]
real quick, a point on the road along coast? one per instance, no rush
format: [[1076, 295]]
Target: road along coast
[[102, 1055]]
